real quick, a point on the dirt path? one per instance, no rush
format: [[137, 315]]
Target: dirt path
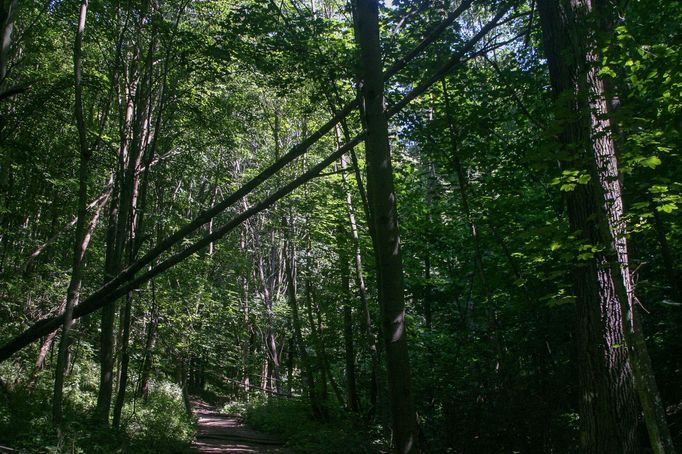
[[219, 433]]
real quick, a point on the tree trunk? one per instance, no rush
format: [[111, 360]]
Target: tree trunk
[[290, 269], [146, 368], [323, 354], [114, 257], [344, 271], [382, 203], [8, 12], [351, 388], [125, 360], [291, 361], [371, 340], [40, 361], [81, 240], [316, 340], [605, 295]]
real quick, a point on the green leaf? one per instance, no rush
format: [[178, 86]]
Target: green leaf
[[667, 208], [584, 178], [651, 162]]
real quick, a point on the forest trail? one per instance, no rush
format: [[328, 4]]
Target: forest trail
[[220, 433]]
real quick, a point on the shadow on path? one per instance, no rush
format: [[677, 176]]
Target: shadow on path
[[220, 433]]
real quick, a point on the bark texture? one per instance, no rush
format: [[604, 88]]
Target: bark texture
[[612, 355]]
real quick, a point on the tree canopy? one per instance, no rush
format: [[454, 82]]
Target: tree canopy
[[408, 226]]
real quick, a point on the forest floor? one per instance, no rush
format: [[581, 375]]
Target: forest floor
[[221, 433]]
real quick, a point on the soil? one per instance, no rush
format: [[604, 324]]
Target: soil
[[221, 433]]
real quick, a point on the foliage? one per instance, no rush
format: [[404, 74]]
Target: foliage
[[158, 424], [291, 419], [487, 249]]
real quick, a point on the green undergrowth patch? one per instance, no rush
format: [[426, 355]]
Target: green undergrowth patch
[[157, 424], [292, 420]]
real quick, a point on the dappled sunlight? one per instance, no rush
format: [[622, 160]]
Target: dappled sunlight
[[221, 433]]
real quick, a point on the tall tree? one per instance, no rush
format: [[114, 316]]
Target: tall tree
[[81, 240], [382, 201], [610, 376]]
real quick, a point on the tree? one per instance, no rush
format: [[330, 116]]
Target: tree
[[607, 318], [81, 240], [382, 202]]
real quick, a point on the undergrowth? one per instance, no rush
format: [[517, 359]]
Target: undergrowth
[[157, 424], [292, 420]]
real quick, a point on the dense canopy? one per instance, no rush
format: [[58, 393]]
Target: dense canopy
[[401, 226]]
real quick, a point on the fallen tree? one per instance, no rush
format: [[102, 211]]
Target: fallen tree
[[126, 280]]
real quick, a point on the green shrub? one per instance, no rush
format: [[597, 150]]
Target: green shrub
[[292, 420], [159, 424]]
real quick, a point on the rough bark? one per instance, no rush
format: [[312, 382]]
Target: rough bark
[[607, 319]]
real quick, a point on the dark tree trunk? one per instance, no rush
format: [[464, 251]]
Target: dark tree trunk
[[7, 15], [323, 355], [81, 239], [324, 392], [125, 321], [607, 320], [290, 269], [344, 271], [146, 368], [381, 196], [371, 340], [106, 350], [291, 361], [116, 234]]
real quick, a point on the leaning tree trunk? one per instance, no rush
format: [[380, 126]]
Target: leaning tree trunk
[[47, 344], [382, 203], [607, 321]]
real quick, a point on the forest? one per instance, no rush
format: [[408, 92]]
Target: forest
[[340, 226]]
